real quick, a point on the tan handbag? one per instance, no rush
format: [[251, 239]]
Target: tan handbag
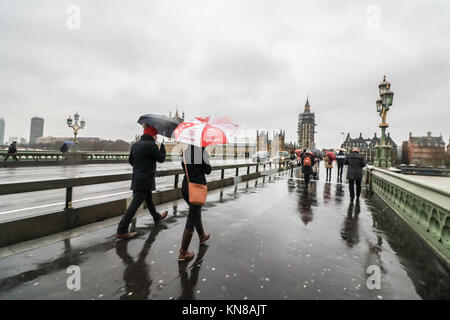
[[197, 192]]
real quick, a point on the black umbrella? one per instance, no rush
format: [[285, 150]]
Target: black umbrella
[[163, 124], [318, 153]]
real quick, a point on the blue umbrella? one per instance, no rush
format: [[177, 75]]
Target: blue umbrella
[[163, 124], [69, 142]]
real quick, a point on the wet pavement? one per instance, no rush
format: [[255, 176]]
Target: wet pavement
[[270, 239]]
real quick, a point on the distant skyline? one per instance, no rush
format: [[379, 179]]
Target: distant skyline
[[254, 61]]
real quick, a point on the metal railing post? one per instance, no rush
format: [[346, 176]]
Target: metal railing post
[[222, 174], [237, 171], [175, 184], [68, 198], [248, 169]]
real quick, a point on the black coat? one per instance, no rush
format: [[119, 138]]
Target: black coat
[[196, 169], [64, 148], [340, 158], [143, 157], [355, 162], [12, 148]]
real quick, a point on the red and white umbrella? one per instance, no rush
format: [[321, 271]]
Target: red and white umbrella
[[206, 131]]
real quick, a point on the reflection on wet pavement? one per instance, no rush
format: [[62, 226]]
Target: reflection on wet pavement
[[271, 238], [349, 231]]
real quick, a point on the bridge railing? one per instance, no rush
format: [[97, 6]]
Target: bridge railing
[[85, 156], [23, 228], [423, 206], [70, 183], [59, 156]]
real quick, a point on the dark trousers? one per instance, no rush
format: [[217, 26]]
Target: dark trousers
[[307, 178], [138, 198], [14, 157], [329, 173], [351, 185], [194, 215], [340, 170]]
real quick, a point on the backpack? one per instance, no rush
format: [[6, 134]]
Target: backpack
[[307, 162]]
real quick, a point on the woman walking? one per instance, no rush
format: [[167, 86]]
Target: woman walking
[[195, 164], [328, 166]]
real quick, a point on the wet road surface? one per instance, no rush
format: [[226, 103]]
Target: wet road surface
[[270, 239]]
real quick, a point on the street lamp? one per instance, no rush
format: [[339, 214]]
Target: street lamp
[[383, 150], [75, 126], [379, 106], [386, 98]]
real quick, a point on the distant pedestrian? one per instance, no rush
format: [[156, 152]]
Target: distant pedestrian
[[292, 158], [315, 167], [292, 155], [307, 162], [340, 159], [12, 151], [143, 157], [328, 166], [195, 164], [355, 162], [300, 157], [64, 148]]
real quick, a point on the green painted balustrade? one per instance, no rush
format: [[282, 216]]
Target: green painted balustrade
[[423, 206]]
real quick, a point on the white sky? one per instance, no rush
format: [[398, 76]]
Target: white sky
[[254, 61]]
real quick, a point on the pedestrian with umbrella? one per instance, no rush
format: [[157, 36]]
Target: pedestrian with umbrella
[[317, 156], [329, 158], [65, 146], [198, 133], [143, 157], [12, 151]]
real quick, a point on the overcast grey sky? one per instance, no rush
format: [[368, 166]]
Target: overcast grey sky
[[254, 61]]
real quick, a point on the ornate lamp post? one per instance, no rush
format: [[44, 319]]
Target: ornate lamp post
[[75, 126], [383, 150]]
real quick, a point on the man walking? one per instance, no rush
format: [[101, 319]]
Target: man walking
[[143, 157], [12, 149], [355, 162], [340, 159]]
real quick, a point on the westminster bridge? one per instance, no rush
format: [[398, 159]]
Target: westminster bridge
[[271, 238]]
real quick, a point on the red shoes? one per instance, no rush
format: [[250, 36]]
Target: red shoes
[[185, 255], [204, 238]]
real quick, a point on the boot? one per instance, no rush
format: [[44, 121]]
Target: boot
[[162, 217], [201, 233], [184, 253], [127, 235]]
